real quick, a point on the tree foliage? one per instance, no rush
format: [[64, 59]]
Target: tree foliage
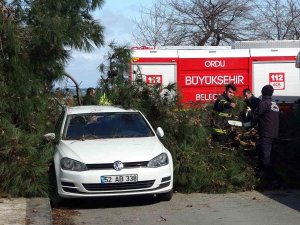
[[34, 37], [117, 61]]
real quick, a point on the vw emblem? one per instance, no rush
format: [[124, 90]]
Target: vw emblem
[[118, 165]]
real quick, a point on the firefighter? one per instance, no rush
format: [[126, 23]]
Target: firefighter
[[223, 108]]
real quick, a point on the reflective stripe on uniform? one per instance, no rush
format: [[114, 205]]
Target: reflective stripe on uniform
[[104, 100], [221, 114], [219, 131]]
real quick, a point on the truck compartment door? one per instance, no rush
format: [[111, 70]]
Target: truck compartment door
[[154, 73], [283, 76]]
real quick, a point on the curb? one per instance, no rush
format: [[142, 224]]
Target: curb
[[12, 211], [38, 211]]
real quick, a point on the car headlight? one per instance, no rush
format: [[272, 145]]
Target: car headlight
[[71, 164], [159, 160]]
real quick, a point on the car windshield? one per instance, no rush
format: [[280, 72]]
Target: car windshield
[[106, 125]]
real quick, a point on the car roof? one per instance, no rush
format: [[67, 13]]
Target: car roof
[[96, 108]]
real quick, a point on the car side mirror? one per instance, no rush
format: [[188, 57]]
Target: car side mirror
[[49, 136], [159, 132], [297, 65]]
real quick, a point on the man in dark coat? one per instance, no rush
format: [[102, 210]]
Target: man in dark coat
[[268, 126], [251, 101]]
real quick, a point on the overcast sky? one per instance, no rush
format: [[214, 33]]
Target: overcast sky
[[116, 16]]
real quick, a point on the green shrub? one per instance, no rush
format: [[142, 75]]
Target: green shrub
[[25, 156]]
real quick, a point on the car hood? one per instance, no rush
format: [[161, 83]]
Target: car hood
[[110, 150]]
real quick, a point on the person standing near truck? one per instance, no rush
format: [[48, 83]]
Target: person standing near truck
[[223, 107], [252, 102], [268, 127]]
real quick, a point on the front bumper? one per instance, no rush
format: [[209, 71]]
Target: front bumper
[[73, 184]]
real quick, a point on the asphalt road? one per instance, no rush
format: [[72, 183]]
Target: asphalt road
[[246, 208]]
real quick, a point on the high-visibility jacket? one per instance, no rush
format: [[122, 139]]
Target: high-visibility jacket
[[103, 100]]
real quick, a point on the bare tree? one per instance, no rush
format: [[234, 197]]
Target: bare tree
[[194, 22], [294, 7], [276, 20], [155, 27]]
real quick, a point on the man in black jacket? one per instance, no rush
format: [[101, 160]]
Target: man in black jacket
[[250, 99], [252, 103], [268, 126]]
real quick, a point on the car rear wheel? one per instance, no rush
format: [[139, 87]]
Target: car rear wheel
[[165, 196]]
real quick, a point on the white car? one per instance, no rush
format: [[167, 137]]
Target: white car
[[109, 151]]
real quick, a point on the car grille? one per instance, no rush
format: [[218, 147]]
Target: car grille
[[104, 166], [119, 186]]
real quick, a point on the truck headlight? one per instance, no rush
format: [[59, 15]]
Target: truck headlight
[[158, 161], [71, 164]]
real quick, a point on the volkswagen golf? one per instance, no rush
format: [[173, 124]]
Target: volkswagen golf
[[108, 151]]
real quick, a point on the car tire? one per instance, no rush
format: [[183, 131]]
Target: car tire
[[165, 196], [55, 199]]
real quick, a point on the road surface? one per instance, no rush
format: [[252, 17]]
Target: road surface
[[246, 208]]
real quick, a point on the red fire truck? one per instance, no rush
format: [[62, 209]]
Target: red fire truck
[[201, 73]]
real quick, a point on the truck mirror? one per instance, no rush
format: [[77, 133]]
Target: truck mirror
[[297, 65]]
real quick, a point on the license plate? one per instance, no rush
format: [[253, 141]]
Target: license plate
[[119, 178]]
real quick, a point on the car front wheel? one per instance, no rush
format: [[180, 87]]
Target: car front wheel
[[55, 199], [165, 196]]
